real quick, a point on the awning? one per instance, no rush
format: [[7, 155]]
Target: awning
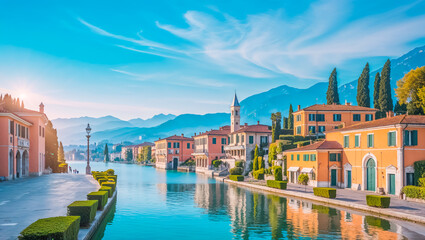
[[293, 169], [307, 170]]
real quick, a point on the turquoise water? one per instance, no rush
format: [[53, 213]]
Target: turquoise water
[[157, 204]]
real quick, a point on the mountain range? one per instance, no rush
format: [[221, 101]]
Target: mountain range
[[254, 108]]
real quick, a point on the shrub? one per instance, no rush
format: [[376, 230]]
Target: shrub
[[261, 163], [85, 209], [109, 184], [277, 172], [65, 228], [276, 184], [110, 172], [302, 143], [378, 201], [100, 196], [216, 163], [107, 189], [421, 182], [303, 179], [236, 171], [239, 164], [414, 192], [419, 167], [114, 177], [238, 178], [259, 174], [102, 180], [325, 192], [287, 137]]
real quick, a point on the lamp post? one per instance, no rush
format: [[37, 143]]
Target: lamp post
[[88, 130]]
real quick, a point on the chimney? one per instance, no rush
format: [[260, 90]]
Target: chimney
[[246, 124], [298, 107], [182, 135], [41, 108], [390, 114], [347, 103], [258, 122], [195, 134]]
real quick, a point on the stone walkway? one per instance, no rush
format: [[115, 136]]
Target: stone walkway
[[23, 201]]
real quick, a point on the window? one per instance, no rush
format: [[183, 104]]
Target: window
[[370, 140], [169, 145], [391, 139], [228, 140], [43, 132], [236, 113], [251, 139], [337, 117], [312, 129], [11, 124], [231, 139], [292, 157], [357, 140], [298, 117], [357, 117], [39, 131], [313, 157], [237, 138], [320, 117], [369, 117], [298, 157], [222, 149], [410, 137], [299, 130], [214, 140], [335, 157], [223, 140], [311, 117], [306, 157], [321, 129], [176, 145], [264, 140], [243, 138], [188, 146], [346, 141]]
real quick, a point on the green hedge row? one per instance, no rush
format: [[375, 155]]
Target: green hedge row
[[276, 184], [414, 192], [85, 209], [325, 192], [109, 184], [65, 228], [238, 178], [100, 196], [378, 201], [259, 174], [107, 189]]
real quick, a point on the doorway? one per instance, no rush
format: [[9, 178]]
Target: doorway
[[175, 163], [349, 179], [391, 184], [333, 177], [370, 175]]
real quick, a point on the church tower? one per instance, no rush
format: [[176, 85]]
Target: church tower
[[235, 118]]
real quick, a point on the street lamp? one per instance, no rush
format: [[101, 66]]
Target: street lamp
[[88, 130]]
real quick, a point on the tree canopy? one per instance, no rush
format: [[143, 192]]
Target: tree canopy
[[411, 90], [385, 98], [363, 94], [332, 96]]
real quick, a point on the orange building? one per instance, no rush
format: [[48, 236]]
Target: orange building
[[375, 156], [318, 118], [172, 151], [209, 146], [22, 142]]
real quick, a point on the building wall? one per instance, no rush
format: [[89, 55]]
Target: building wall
[[37, 145]]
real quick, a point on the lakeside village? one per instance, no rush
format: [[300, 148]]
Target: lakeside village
[[324, 145]]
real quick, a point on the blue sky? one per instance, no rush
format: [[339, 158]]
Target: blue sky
[[139, 58]]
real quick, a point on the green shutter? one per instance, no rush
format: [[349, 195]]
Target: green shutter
[[406, 138], [339, 157], [389, 138], [393, 138], [414, 136]]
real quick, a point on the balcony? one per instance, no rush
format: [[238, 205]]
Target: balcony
[[22, 142]]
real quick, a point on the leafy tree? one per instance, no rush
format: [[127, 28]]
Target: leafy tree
[[363, 94], [61, 154], [332, 96], [285, 123], [106, 153], [385, 99], [147, 152], [51, 147], [129, 155], [376, 91], [255, 166], [272, 153], [400, 108], [290, 117], [276, 125], [261, 164], [303, 179], [411, 90]]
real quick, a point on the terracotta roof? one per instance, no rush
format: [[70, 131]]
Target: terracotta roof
[[335, 107], [318, 145], [400, 119], [254, 128], [225, 130], [176, 138]]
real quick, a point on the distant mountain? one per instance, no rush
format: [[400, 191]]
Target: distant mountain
[[151, 122], [260, 106]]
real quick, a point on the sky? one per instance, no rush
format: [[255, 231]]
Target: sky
[[134, 59]]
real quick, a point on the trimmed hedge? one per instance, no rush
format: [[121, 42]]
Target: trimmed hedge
[[58, 228], [378, 201], [421, 182], [109, 184], [325, 192], [238, 178], [100, 196], [259, 174], [302, 143], [276, 184], [277, 173], [102, 180], [107, 189], [236, 171], [110, 172], [85, 209], [114, 177], [239, 164], [414, 192]]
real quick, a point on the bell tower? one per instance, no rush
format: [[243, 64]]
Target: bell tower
[[235, 118]]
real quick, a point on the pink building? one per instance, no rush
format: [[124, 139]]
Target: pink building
[[209, 146], [170, 152], [22, 141]]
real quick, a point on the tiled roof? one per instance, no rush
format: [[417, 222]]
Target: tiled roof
[[318, 145], [400, 119], [335, 107], [176, 138], [225, 130], [254, 128]]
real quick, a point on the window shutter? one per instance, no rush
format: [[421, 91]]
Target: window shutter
[[393, 139], [414, 137], [389, 138], [406, 138]]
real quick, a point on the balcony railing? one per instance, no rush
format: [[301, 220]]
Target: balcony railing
[[22, 142]]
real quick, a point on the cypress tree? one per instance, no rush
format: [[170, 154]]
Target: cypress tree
[[106, 153], [290, 118], [332, 96], [285, 123], [385, 99], [363, 94], [376, 91], [278, 126]]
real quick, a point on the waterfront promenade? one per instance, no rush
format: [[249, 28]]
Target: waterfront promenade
[[23, 201]]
